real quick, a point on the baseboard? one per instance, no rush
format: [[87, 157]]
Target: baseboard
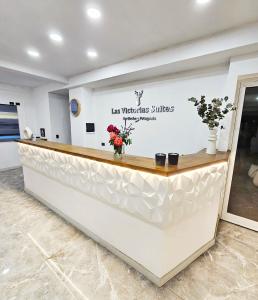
[[159, 281]]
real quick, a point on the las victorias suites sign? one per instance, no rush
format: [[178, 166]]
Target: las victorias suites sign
[[147, 113]]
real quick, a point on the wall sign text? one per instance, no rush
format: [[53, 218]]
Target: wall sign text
[[154, 109]]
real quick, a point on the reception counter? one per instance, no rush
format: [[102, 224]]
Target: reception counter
[[158, 219]]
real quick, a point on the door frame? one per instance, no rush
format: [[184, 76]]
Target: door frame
[[242, 83]]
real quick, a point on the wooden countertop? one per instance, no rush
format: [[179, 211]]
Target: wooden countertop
[[186, 162]]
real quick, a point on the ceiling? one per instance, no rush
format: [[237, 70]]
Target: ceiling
[[21, 79], [128, 28]]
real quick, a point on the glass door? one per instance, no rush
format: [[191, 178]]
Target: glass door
[[242, 205]]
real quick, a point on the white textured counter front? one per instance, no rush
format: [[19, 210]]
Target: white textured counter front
[[181, 210], [157, 199]]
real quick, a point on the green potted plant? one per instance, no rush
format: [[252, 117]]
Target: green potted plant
[[212, 113]]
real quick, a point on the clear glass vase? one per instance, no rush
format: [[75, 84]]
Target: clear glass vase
[[118, 152]]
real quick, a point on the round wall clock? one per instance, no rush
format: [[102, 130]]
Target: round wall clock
[[75, 107]]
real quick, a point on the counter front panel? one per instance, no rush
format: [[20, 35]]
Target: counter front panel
[[151, 197], [157, 219]]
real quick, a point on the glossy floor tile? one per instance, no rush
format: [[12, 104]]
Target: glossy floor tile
[[44, 257]]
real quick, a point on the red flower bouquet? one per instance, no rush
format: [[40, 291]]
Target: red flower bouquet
[[118, 138]]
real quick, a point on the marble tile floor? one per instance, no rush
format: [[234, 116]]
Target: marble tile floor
[[44, 257]]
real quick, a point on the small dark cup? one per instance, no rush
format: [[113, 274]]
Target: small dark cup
[[173, 159], [160, 159]]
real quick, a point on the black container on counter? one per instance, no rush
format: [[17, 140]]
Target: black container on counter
[[160, 159], [173, 159]]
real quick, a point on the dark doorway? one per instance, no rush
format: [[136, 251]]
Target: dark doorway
[[243, 200]]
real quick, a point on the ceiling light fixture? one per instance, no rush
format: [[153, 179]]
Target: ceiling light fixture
[[92, 53], [33, 53], [202, 1], [257, 98], [56, 37], [93, 13]]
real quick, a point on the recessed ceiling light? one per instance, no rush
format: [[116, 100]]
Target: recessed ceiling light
[[257, 98], [92, 53], [202, 1], [33, 53], [56, 37], [93, 13]]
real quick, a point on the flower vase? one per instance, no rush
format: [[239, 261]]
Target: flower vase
[[212, 140], [118, 152]]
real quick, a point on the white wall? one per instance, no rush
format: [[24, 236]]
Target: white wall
[[40, 97], [9, 157], [180, 131], [78, 124], [8, 150], [60, 118], [33, 112], [239, 66], [42, 110]]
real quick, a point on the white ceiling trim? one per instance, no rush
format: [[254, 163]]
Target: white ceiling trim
[[220, 48], [33, 72]]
